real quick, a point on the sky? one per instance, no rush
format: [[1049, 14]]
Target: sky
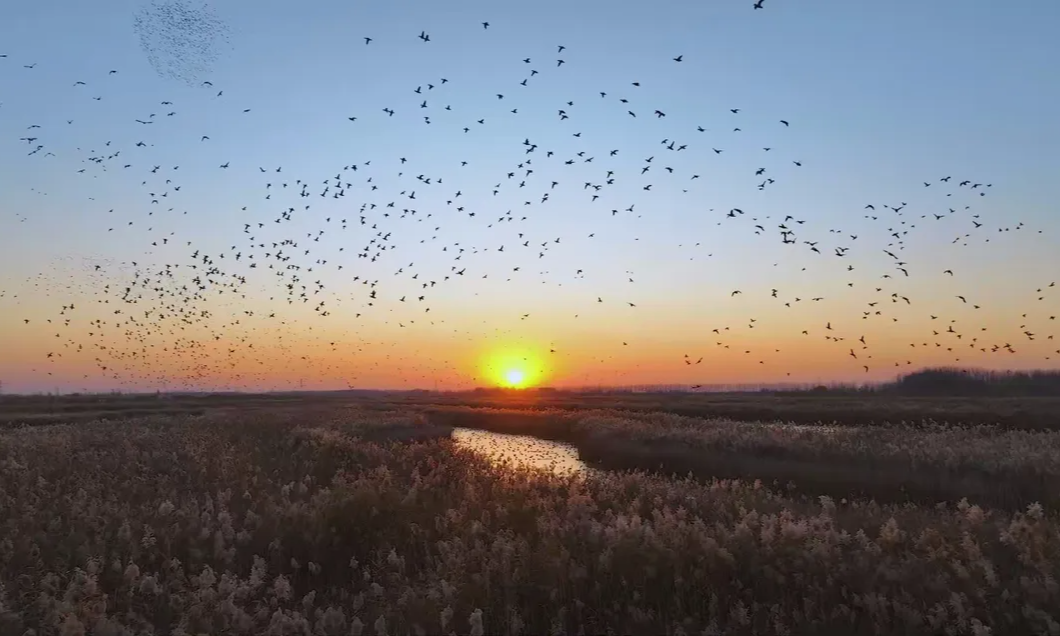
[[881, 103]]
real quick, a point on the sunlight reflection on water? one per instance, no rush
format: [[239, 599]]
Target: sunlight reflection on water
[[522, 450]]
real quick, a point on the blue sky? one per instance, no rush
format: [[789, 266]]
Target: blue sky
[[880, 98]]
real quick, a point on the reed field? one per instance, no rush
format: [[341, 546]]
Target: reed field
[[926, 462], [329, 520]]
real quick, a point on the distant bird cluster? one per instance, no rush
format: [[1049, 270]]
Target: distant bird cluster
[[187, 313], [180, 40]]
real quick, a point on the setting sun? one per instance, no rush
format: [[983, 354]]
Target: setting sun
[[513, 369], [515, 378]]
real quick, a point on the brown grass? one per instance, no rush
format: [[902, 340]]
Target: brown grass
[[288, 522], [1037, 413], [921, 464], [1032, 413]]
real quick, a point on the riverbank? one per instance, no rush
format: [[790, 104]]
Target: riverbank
[[920, 464]]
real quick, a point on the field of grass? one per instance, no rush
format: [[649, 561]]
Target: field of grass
[[1028, 413], [926, 464], [840, 407], [331, 518]]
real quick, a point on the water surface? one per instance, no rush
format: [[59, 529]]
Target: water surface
[[522, 450]]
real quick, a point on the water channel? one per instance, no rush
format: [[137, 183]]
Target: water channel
[[522, 450]]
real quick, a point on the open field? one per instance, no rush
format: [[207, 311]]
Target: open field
[[1027, 413], [281, 516]]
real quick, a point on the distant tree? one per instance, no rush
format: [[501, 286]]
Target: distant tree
[[947, 381]]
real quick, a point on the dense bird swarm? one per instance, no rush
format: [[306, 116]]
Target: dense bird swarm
[[181, 41]]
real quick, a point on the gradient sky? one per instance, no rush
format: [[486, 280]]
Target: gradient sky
[[880, 97]]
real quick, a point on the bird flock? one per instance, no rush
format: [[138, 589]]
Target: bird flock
[[295, 274], [181, 41]]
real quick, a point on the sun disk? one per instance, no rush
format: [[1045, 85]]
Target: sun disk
[[514, 378]]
